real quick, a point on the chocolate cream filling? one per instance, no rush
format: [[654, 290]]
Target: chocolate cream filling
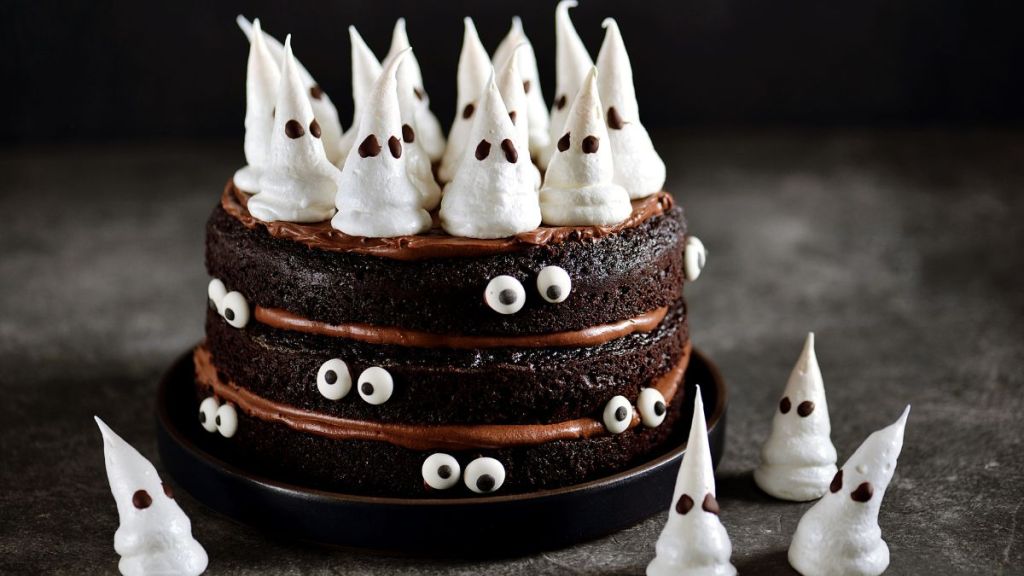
[[418, 436]]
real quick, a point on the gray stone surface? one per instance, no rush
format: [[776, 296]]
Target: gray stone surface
[[903, 251]]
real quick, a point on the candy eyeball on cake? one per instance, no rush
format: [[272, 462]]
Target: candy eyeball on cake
[[235, 309], [226, 420], [694, 258], [333, 379], [554, 284], [441, 471], [505, 294], [376, 385], [651, 406], [618, 414], [216, 291], [484, 475], [208, 414]]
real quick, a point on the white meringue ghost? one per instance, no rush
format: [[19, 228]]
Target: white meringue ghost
[[154, 536], [839, 535], [421, 172], [365, 71], [300, 183], [376, 197], [324, 110], [410, 78], [637, 165], [510, 86], [798, 460], [572, 63], [474, 69], [261, 80], [578, 188], [492, 195], [694, 542], [517, 42]]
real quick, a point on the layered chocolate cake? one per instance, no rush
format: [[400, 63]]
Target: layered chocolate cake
[[522, 330]]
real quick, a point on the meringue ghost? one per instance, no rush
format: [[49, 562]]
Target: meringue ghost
[[410, 79], [799, 460], [376, 196], [300, 183], [474, 69], [637, 165], [155, 536], [492, 195], [517, 42], [694, 542], [365, 71], [578, 188], [510, 86], [572, 63], [324, 110], [839, 535], [261, 80]]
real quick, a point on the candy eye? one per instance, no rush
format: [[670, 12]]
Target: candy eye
[[651, 406], [235, 309], [207, 414], [505, 295], [333, 380], [484, 475], [441, 471], [554, 284], [226, 420], [694, 258], [618, 414], [216, 291], [376, 385]]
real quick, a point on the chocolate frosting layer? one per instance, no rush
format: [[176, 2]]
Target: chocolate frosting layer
[[592, 336], [436, 243], [417, 436]]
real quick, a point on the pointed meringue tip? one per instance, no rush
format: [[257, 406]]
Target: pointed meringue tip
[[610, 24], [392, 66], [400, 24], [353, 33], [468, 24], [106, 431], [809, 342], [564, 6], [698, 401], [288, 45], [243, 23], [902, 421], [517, 25], [255, 26]]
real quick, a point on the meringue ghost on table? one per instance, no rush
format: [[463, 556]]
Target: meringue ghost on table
[[324, 110], [510, 86], [572, 63], [694, 542], [261, 80], [410, 79], [154, 536], [637, 165], [300, 182], [474, 69], [839, 535], [492, 195], [517, 42], [798, 460], [376, 197], [578, 188], [365, 71]]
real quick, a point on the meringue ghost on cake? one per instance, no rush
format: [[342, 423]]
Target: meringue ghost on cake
[[517, 42], [324, 110], [410, 79], [155, 536], [376, 196], [365, 71], [510, 86], [300, 183], [261, 80], [578, 188], [798, 460], [474, 69], [637, 165], [694, 542], [839, 535], [572, 63], [492, 195]]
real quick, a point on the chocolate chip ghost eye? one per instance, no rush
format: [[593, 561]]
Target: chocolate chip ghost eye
[[441, 471], [375, 385], [235, 309], [484, 475], [863, 493], [785, 405], [837, 482], [208, 413], [294, 129], [554, 284], [710, 504], [805, 408], [505, 295], [618, 414], [694, 258], [333, 379], [483, 149], [226, 420], [684, 504], [216, 291], [141, 499], [651, 406]]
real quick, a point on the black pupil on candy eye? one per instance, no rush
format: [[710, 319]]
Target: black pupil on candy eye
[[330, 376], [367, 388], [444, 471], [141, 499], [659, 408], [217, 420], [507, 296], [229, 314], [620, 413], [202, 416], [554, 292], [485, 483]]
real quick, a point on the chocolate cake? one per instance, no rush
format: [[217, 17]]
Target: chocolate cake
[[368, 334]]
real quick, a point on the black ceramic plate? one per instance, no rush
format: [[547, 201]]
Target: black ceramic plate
[[494, 525]]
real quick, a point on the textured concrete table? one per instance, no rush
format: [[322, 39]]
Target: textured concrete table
[[902, 251]]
